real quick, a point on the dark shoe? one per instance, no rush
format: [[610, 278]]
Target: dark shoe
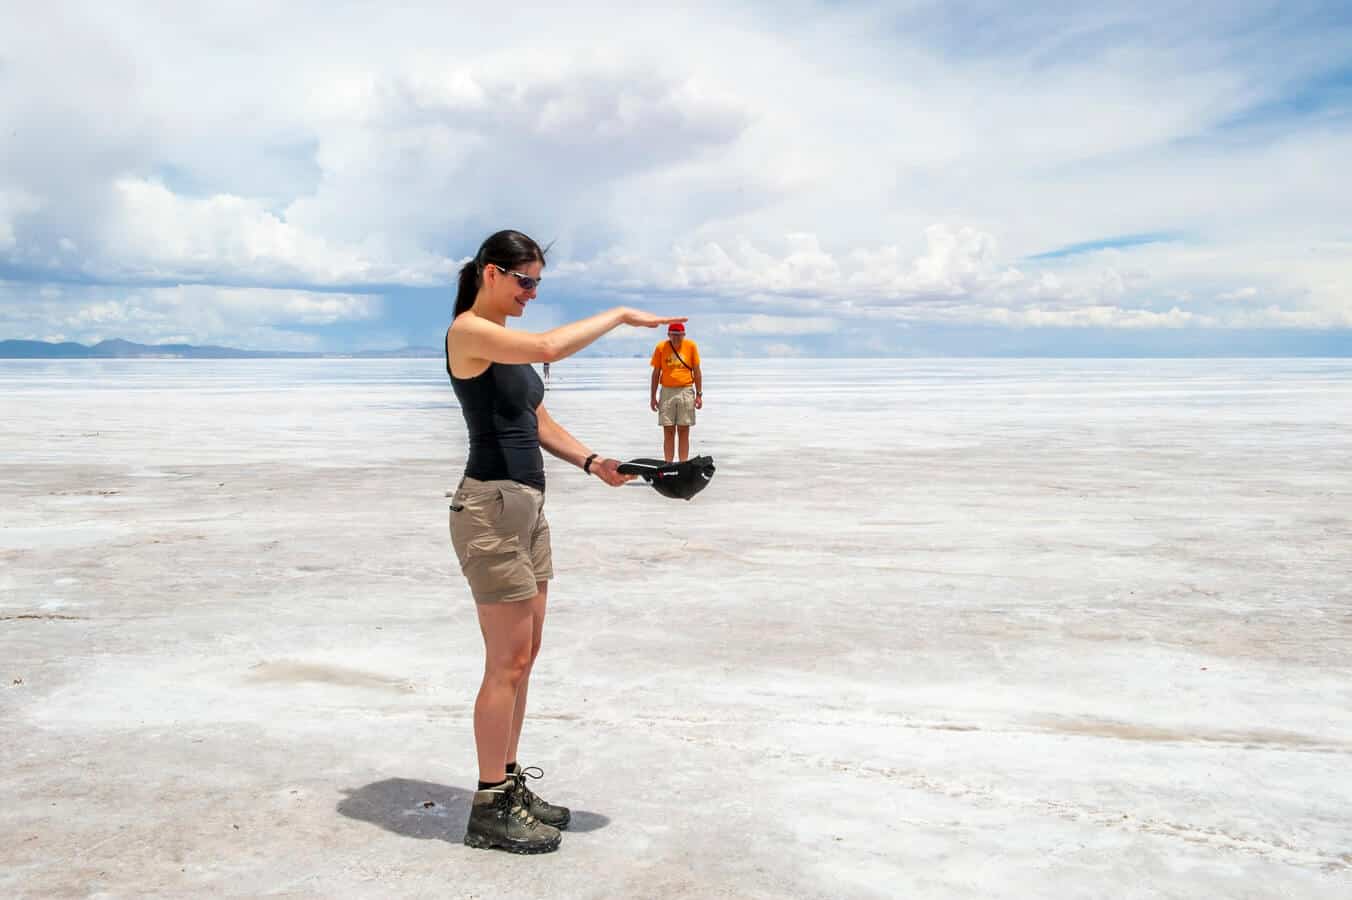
[[497, 818], [557, 816]]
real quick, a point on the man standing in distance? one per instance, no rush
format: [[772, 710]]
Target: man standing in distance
[[675, 365]]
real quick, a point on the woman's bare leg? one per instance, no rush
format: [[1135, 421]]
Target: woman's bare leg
[[538, 623], [507, 630]]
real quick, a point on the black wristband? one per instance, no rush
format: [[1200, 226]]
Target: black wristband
[[586, 466]]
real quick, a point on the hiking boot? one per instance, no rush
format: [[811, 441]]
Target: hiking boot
[[497, 818], [557, 816]]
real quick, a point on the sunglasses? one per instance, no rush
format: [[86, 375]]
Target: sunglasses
[[527, 283]]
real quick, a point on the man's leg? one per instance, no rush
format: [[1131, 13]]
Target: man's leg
[[668, 442], [683, 437]]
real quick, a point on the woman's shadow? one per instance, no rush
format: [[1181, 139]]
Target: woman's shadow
[[421, 809]]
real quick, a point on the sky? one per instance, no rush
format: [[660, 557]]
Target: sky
[[799, 178]]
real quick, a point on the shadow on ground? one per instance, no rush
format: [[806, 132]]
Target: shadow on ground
[[421, 809]]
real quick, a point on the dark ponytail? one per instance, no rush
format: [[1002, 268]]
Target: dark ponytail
[[509, 249], [468, 288]]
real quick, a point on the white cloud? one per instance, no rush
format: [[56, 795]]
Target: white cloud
[[775, 325], [956, 262], [960, 277], [1277, 317], [157, 234], [201, 314], [1095, 317], [447, 152], [14, 203]]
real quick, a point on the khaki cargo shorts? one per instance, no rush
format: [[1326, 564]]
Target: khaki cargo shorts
[[501, 538], [676, 406]]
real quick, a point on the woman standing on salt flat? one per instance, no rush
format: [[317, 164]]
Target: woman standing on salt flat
[[498, 528]]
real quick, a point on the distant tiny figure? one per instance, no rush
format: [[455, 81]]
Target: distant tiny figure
[[675, 364], [546, 376]]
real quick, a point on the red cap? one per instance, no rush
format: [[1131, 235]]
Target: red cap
[[676, 326]]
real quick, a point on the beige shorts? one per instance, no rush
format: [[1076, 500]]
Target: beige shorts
[[501, 538], [676, 406]]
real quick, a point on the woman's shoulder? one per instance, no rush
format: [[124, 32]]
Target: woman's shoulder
[[467, 323]]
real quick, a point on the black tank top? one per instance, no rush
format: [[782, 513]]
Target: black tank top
[[504, 434]]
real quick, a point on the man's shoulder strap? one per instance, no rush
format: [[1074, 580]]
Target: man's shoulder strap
[[678, 354]]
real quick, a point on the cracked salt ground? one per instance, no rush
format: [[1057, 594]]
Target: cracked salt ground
[[937, 629]]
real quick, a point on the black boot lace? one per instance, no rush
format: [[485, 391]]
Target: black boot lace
[[525, 795]]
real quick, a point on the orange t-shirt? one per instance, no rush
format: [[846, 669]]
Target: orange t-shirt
[[674, 374]]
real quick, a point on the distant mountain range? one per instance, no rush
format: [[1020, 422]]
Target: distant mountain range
[[119, 349]]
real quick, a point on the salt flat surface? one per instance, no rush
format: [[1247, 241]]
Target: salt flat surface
[[937, 629]]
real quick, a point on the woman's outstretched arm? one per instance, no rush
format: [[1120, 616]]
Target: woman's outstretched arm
[[478, 338]]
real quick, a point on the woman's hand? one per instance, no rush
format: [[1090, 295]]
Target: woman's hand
[[646, 320], [608, 470]]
